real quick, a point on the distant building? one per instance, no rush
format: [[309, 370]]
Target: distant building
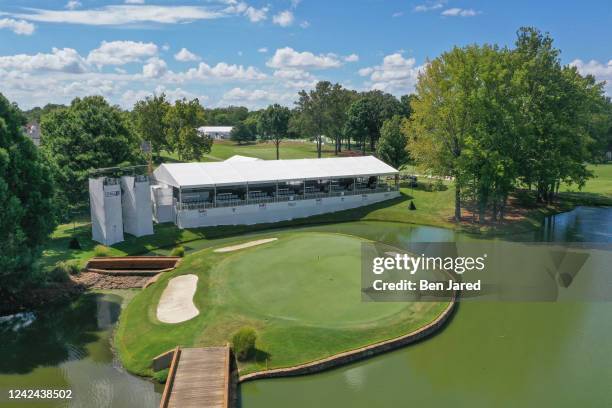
[[33, 132], [216, 132]]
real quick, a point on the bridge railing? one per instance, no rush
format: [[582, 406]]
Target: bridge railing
[[170, 380]]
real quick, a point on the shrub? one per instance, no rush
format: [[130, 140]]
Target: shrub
[[412, 206], [161, 376], [59, 273], [74, 244], [178, 251], [243, 343], [101, 250]]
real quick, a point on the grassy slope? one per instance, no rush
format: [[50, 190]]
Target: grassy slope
[[282, 342]]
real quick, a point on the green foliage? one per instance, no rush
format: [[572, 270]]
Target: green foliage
[[35, 114], [26, 192], [392, 145], [101, 251], [228, 116], [87, 135], [64, 268], [241, 133], [161, 376], [182, 121], [148, 116], [273, 124], [178, 251], [243, 343]]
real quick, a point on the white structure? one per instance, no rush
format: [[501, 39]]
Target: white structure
[[239, 158], [216, 132], [162, 203], [250, 192], [136, 205], [106, 213]]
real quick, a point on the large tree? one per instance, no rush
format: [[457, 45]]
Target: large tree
[[241, 133], [88, 135], [392, 144], [182, 121], [148, 116], [274, 124], [26, 199]]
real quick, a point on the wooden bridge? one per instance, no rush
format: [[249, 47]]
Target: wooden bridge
[[198, 377]]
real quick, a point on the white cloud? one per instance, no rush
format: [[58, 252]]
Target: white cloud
[[60, 60], [601, 71], [396, 74], [429, 6], [263, 50], [122, 15], [73, 4], [220, 71], [293, 75], [397, 14], [20, 27], [134, 1], [289, 58], [459, 12], [304, 24], [284, 18], [352, 58], [185, 55], [256, 15], [154, 68], [121, 52]]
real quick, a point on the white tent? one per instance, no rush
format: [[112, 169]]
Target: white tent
[[193, 175]]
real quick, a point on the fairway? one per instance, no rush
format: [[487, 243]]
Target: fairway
[[310, 278]]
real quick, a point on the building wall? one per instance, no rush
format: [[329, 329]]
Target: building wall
[[136, 206], [274, 212]]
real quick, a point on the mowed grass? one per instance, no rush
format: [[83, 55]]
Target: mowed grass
[[301, 294]]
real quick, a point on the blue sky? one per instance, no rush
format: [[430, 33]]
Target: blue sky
[[252, 52]]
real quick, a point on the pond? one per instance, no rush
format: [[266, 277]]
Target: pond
[[491, 354]]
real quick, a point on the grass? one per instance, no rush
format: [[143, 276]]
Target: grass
[[300, 293], [289, 149]]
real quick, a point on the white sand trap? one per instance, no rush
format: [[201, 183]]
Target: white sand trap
[[176, 303], [245, 245]]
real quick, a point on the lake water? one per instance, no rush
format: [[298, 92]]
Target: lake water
[[491, 354]]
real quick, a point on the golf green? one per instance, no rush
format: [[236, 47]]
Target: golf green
[[313, 279]]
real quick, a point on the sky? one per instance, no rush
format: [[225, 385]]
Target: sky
[[256, 52]]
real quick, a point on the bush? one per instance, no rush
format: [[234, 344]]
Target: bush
[[243, 343], [101, 250], [62, 269], [161, 376], [178, 251], [74, 244], [412, 206]]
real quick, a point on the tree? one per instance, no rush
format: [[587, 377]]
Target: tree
[[273, 124], [392, 145], [88, 135], [243, 343], [359, 123], [241, 133], [148, 115], [323, 111], [228, 116], [182, 121], [26, 199]]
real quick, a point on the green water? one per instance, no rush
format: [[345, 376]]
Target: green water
[[491, 354]]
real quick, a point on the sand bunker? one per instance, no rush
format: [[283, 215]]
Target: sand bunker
[[245, 245], [176, 303]]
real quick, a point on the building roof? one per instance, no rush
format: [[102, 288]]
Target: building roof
[[239, 158], [213, 129], [252, 172]]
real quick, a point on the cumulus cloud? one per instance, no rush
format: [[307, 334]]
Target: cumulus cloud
[[65, 60], [293, 74], [256, 15], [185, 55], [600, 70], [134, 2], [429, 6], [459, 12], [121, 52], [284, 18], [304, 24], [154, 68], [396, 74], [73, 4], [20, 27], [255, 98], [352, 58], [289, 58], [220, 71], [263, 50]]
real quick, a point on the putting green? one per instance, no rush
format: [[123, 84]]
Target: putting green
[[311, 278]]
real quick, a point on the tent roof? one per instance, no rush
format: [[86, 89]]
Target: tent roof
[[215, 128], [239, 158], [261, 171]]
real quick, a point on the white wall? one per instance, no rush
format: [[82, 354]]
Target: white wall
[[273, 212], [136, 206], [106, 212]]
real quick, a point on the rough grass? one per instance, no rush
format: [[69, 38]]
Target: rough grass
[[294, 325]]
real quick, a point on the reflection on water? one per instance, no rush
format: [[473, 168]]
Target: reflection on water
[[69, 347], [491, 354]]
